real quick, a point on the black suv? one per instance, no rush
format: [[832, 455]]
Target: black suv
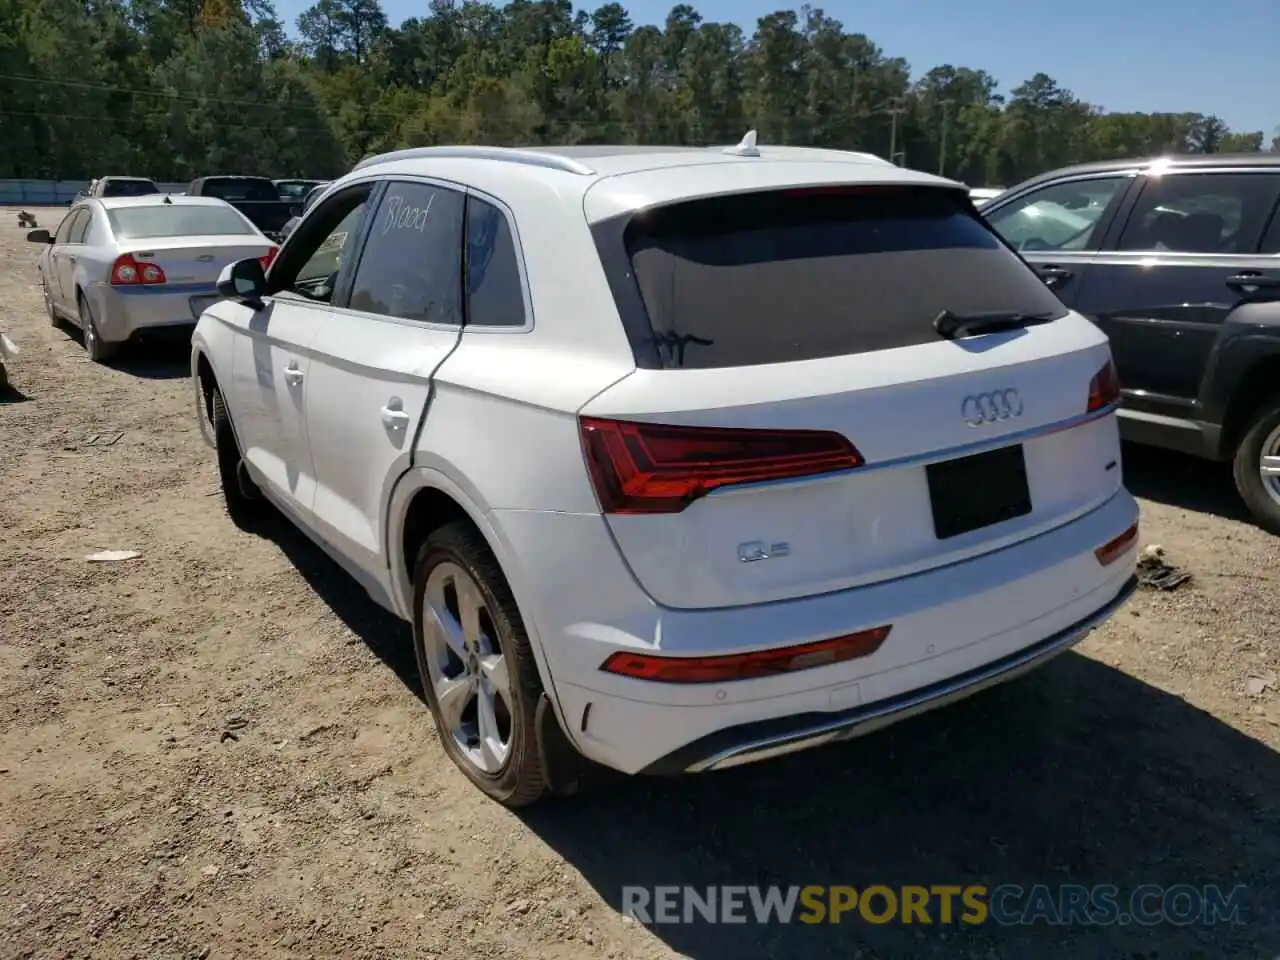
[[1177, 259]]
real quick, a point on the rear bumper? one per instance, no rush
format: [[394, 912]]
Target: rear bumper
[[773, 738], [122, 312], [963, 626]]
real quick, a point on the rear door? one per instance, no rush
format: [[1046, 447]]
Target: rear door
[[1058, 226], [875, 446], [274, 349], [393, 324], [1163, 288]]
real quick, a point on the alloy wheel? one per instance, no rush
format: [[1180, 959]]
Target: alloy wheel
[[1269, 464], [467, 668]]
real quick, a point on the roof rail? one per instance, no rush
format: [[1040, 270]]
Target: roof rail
[[531, 158]]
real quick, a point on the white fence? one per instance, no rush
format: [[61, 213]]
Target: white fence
[[54, 193]]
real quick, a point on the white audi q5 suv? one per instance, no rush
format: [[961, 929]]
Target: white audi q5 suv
[[675, 458]]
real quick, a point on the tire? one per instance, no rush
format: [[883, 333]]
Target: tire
[[452, 555], [1260, 494], [246, 508], [98, 350], [4, 377]]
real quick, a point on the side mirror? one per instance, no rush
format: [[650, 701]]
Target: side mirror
[[39, 236], [245, 281]]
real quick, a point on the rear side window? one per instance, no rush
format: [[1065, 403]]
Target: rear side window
[[798, 275], [411, 265], [1201, 213], [236, 189], [495, 297], [176, 220], [129, 188]]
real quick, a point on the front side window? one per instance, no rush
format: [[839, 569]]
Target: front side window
[[1201, 213], [411, 265], [177, 220], [320, 248], [791, 275], [495, 295], [1062, 216]]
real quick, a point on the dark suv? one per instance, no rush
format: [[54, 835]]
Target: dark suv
[[1177, 259]]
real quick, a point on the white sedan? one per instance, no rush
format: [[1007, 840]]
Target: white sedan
[[119, 266]]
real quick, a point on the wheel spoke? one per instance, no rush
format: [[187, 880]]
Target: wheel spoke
[[1271, 466], [453, 697], [448, 629], [470, 603], [492, 750], [494, 668]]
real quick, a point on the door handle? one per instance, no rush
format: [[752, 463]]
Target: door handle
[[1255, 279], [1052, 275], [293, 375], [394, 416]]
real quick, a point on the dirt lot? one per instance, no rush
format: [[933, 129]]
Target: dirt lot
[[328, 823]]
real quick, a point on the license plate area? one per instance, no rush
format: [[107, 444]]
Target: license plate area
[[200, 304], [977, 491]]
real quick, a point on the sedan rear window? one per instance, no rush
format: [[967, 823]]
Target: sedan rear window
[[129, 188], [802, 274], [238, 189], [177, 220]]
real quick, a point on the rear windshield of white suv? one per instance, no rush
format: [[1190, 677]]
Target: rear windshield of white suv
[[801, 274], [177, 220]]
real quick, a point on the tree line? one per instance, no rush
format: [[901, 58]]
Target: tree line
[[174, 89]]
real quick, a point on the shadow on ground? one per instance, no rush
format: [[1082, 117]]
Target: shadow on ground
[[167, 359], [1179, 480], [11, 394], [1075, 775], [389, 637]]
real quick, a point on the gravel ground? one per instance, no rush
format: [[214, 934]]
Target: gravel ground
[[218, 749]]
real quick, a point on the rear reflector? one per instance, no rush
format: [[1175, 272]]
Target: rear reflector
[[1104, 388], [1113, 550], [649, 468], [746, 666]]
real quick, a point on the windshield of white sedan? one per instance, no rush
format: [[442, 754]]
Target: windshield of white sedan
[[176, 220], [801, 274]]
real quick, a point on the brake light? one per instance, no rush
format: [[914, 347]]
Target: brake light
[[1113, 550], [650, 468], [746, 666], [268, 258], [1104, 388], [127, 272]]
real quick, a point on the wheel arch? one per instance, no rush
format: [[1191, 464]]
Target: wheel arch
[[426, 498], [1258, 383]]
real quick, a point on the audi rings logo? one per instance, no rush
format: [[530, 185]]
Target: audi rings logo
[[981, 408]]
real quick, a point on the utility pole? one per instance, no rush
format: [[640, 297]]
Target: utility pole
[[896, 108], [946, 123]]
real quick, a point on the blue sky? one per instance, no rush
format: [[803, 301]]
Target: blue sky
[[1207, 57]]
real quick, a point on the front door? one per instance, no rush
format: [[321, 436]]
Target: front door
[[1057, 227], [274, 350], [1163, 293], [372, 364]]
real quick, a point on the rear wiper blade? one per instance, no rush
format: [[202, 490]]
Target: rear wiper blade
[[954, 326]]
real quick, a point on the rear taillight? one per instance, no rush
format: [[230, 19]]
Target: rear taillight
[[747, 666], [1113, 550], [128, 272], [649, 468], [1104, 388], [268, 258]]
